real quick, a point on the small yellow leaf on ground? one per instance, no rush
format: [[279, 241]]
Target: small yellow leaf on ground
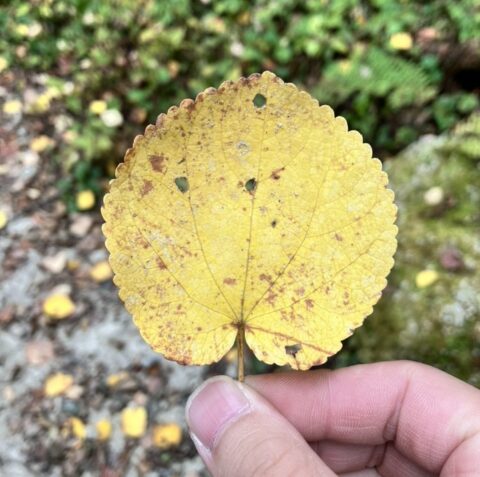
[[401, 41], [58, 306], [167, 435], [78, 428], [97, 107], [21, 29], [115, 379], [425, 278], [73, 264], [40, 143], [3, 64], [12, 107], [42, 103], [134, 421], [3, 219], [101, 271], [85, 200], [104, 429], [57, 384]]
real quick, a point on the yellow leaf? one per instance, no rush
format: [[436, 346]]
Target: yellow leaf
[[78, 428], [97, 107], [3, 219], [21, 29], [40, 143], [104, 429], [134, 421], [401, 41], [58, 306], [57, 384], [3, 64], [85, 200], [101, 271], [425, 278], [254, 211], [12, 107], [42, 103], [167, 435], [115, 379]]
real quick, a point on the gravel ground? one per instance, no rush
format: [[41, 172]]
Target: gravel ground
[[43, 249]]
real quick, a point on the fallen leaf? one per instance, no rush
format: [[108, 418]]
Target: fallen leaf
[[58, 306], [40, 143], [252, 210], [167, 435], [425, 278], [3, 64], [104, 429], [134, 421], [85, 200], [97, 107], [401, 41], [57, 384], [78, 428], [3, 219], [12, 107], [101, 271], [116, 378]]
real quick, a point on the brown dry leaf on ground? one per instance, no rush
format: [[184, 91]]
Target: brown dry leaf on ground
[[251, 211]]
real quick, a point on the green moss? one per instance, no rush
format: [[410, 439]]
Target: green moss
[[439, 324]]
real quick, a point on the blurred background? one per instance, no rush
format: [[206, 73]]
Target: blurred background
[[81, 393]]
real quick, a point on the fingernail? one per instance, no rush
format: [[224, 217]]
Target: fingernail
[[213, 407]]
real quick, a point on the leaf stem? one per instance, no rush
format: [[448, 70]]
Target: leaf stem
[[240, 350]]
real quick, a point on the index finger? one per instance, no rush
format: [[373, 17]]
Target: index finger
[[429, 415]]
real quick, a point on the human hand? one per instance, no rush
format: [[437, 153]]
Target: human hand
[[390, 419]]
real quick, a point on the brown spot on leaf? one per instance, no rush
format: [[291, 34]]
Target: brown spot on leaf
[[230, 281], [300, 291], [338, 237], [309, 303], [158, 162], [265, 278], [271, 298], [160, 263], [275, 175], [147, 187]]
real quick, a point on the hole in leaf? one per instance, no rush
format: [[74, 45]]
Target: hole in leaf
[[292, 350], [251, 185], [182, 184], [259, 101]]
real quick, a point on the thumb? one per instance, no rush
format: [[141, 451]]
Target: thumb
[[239, 434]]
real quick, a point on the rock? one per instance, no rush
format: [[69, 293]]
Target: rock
[[80, 225], [39, 352], [434, 324], [55, 263]]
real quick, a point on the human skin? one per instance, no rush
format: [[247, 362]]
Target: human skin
[[390, 419]]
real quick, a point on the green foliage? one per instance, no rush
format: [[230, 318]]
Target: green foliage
[[142, 56]]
